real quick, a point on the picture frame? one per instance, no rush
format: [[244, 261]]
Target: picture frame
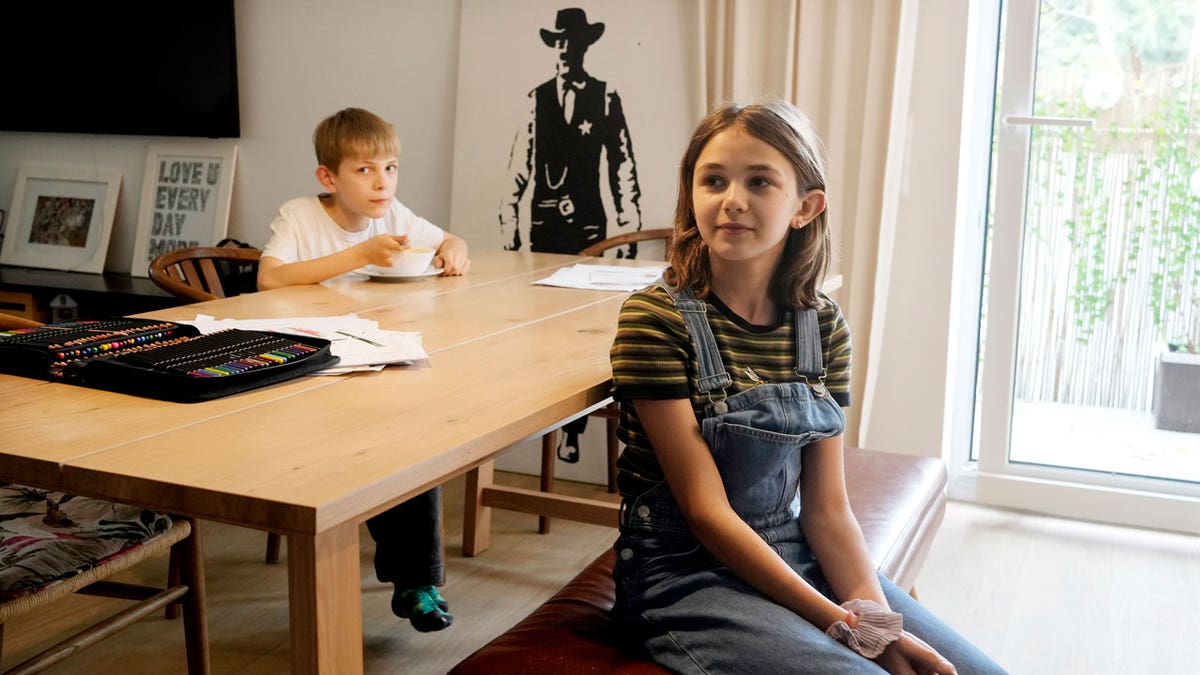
[[186, 191], [61, 218]]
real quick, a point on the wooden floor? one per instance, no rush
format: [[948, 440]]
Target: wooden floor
[[1041, 595]]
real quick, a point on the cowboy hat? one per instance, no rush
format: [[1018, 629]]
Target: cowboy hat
[[572, 24]]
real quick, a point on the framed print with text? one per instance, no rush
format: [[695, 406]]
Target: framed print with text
[[185, 199]]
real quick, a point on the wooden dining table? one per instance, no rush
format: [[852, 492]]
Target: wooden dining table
[[314, 457]]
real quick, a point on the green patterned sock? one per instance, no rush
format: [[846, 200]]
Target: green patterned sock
[[424, 607]]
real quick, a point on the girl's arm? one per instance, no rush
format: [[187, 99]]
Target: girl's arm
[[696, 485], [833, 534], [829, 526]]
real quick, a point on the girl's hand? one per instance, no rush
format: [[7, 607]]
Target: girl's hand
[[382, 248], [910, 655]]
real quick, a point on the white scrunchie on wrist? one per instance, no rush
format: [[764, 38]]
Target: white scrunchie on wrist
[[875, 630]]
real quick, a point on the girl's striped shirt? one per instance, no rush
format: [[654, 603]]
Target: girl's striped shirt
[[653, 358]]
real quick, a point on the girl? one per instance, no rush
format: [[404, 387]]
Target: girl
[[731, 376]]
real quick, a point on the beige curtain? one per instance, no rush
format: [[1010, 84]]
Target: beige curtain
[[847, 64]]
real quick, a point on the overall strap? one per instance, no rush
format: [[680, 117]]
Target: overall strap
[[695, 318], [809, 358]]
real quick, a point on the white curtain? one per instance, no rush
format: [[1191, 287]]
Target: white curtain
[[848, 65]]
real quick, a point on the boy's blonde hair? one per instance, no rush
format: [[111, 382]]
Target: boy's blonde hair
[[807, 254], [353, 133]]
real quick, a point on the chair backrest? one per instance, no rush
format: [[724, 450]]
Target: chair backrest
[[667, 234], [203, 272]]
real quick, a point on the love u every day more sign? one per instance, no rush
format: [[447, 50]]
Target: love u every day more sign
[[184, 191], [185, 203]]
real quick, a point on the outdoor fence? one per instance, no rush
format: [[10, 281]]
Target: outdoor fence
[[1110, 224]]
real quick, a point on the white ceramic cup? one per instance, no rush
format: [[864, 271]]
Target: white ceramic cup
[[412, 261]]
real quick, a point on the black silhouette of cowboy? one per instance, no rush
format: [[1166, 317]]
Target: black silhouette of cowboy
[[574, 121]]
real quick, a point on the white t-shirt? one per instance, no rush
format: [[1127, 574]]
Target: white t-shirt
[[303, 230]]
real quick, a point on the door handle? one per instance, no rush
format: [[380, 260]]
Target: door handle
[[1037, 121]]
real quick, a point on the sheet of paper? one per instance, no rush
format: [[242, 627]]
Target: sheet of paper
[[358, 342], [338, 370], [604, 277]]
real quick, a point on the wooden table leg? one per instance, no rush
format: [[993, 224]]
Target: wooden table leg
[[325, 597], [477, 518], [195, 612]]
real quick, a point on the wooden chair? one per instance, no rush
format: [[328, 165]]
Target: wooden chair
[[665, 234], [610, 413], [202, 272], [54, 545]]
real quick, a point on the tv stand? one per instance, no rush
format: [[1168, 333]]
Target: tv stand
[[27, 292]]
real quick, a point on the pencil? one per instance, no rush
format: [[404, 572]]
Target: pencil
[[359, 337]]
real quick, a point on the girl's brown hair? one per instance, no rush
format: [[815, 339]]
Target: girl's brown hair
[[808, 250], [353, 133]]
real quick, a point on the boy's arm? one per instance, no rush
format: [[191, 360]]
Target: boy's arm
[[451, 256], [378, 250]]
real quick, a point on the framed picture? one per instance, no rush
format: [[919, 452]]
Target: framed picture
[[185, 199], [62, 218]]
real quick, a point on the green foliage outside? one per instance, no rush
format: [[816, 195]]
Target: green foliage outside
[[1130, 65]]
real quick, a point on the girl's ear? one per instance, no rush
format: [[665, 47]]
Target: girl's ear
[[325, 178], [810, 207]]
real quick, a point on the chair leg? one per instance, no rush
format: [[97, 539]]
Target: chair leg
[[614, 449], [195, 611], [273, 540], [549, 455], [173, 562]]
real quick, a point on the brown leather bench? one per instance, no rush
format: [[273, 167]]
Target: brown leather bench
[[899, 501]]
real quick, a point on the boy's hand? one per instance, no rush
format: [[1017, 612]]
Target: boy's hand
[[451, 257], [382, 248]]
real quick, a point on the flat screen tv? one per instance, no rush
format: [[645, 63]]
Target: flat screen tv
[[147, 68]]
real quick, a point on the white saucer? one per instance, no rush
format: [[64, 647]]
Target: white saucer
[[382, 274]]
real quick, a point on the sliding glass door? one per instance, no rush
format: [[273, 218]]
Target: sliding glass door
[[1089, 396]]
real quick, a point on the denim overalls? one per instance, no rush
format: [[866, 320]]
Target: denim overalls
[[690, 612]]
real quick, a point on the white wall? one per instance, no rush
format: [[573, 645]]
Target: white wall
[[909, 411], [299, 61]]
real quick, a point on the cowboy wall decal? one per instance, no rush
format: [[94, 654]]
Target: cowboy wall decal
[[574, 122]]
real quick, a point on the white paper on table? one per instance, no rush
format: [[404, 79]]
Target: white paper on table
[[357, 342], [604, 277], [339, 370]]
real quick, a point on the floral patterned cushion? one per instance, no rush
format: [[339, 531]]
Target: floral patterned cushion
[[46, 536]]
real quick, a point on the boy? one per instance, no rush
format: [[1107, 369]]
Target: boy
[[359, 222]]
